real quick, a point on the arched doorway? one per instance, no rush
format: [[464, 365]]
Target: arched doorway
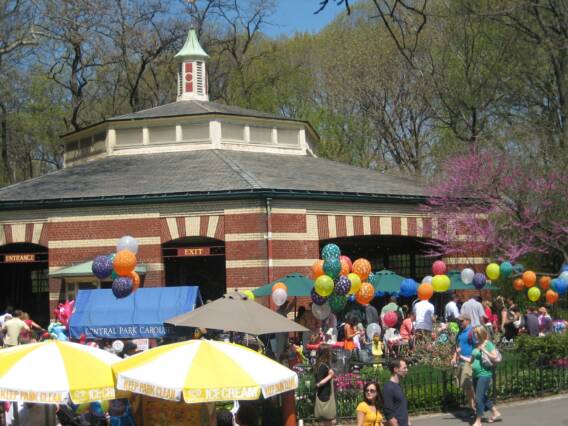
[[25, 285], [196, 261]]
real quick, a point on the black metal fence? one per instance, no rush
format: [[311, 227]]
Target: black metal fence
[[430, 389]]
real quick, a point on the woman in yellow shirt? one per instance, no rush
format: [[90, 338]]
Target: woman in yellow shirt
[[368, 413]]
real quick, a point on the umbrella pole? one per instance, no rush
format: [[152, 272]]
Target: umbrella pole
[[289, 409], [15, 413]]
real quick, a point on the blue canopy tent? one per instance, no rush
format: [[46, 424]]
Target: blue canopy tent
[[98, 314]]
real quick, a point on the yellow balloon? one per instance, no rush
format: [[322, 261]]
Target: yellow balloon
[[493, 271], [533, 294], [324, 285], [249, 294], [355, 283], [441, 283]]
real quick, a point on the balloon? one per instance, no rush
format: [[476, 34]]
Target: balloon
[[560, 286], [102, 266], [346, 259], [332, 267], [454, 328], [249, 294], [533, 294], [425, 291], [365, 294], [330, 251], [337, 302], [342, 286], [529, 278], [351, 298], [317, 269], [493, 271], [551, 296], [544, 282], [467, 275], [324, 285], [518, 268], [427, 279], [355, 283], [518, 284], [362, 267], [345, 266], [479, 280], [124, 263], [127, 243], [113, 275], [441, 283], [278, 285], [506, 269], [379, 293], [321, 312], [563, 268], [316, 298], [563, 276], [122, 287], [118, 346], [136, 281], [390, 319], [373, 329], [279, 296], [408, 287], [439, 267]]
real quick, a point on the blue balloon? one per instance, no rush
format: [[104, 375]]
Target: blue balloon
[[506, 269], [408, 287], [317, 299], [479, 280], [351, 298], [122, 287], [102, 266], [332, 267], [563, 268], [518, 268], [561, 286], [330, 251]]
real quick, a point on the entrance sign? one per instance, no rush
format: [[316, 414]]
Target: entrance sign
[[19, 258]]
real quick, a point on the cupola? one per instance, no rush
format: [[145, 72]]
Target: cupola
[[192, 70]]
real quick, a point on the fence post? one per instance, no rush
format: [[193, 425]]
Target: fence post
[[445, 390]]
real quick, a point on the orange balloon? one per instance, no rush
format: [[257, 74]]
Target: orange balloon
[[518, 284], [551, 296], [317, 269], [365, 293], [529, 278], [345, 267], [135, 281], [425, 291], [124, 263], [280, 285], [362, 267], [544, 282]]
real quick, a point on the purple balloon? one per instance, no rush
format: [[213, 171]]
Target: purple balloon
[[102, 266], [122, 287], [317, 299], [342, 285], [479, 280]]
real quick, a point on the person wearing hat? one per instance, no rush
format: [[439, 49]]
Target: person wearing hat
[[465, 342]]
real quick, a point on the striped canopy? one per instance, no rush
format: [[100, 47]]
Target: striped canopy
[[204, 371], [52, 372]]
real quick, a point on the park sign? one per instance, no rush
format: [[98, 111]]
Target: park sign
[[19, 258]]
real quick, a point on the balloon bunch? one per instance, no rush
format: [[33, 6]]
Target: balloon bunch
[[279, 293], [440, 281], [336, 278], [120, 267]]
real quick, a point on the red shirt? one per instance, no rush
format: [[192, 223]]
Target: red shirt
[[406, 329]]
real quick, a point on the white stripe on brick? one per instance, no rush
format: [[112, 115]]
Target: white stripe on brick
[[403, 226], [385, 225], [312, 233], [107, 242], [332, 226], [192, 226], [253, 236], [245, 210], [294, 236], [2, 236], [238, 264], [212, 226], [419, 227], [288, 211], [151, 267], [90, 218], [366, 225], [349, 225], [19, 233], [36, 235], [173, 227], [292, 262]]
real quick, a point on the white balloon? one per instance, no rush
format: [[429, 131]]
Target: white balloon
[[373, 329], [321, 312], [564, 276], [118, 346], [427, 279], [467, 275], [279, 296], [127, 243]]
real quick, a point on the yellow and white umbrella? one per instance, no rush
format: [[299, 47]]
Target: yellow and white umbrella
[[204, 371], [51, 372]]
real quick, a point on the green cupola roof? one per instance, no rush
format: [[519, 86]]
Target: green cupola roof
[[191, 48]]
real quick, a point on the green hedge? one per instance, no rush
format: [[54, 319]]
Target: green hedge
[[542, 350]]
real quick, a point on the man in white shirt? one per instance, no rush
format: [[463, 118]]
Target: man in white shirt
[[12, 329], [451, 311], [475, 311], [424, 312]]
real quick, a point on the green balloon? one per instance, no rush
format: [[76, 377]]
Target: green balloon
[[337, 303], [506, 269]]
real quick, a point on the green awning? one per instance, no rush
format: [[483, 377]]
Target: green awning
[[298, 285], [386, 281], [458, 284], [85, 270]]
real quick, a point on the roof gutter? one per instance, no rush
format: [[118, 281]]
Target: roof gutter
[[209, 196]]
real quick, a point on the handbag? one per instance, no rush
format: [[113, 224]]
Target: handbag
[[326, 410], [488, 362]]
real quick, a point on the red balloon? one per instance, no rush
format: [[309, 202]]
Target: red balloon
[[544, 282], [439, 267], [344, 258], [390, 319], [518, 284], [551, 296]]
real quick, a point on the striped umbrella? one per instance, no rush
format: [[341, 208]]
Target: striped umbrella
[[204, 371], [52, 372]]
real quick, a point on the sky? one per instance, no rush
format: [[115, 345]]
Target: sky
[[298, 16]]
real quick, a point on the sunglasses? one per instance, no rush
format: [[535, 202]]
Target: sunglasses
[[370, 391]]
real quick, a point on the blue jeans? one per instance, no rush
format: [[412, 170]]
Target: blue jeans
[[482, 401]]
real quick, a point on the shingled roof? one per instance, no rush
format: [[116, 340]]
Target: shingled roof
[[206, 174]]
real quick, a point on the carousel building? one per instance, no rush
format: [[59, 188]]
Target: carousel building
[[217, 196]]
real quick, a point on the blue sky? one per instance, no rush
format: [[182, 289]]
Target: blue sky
[[298, 15]]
